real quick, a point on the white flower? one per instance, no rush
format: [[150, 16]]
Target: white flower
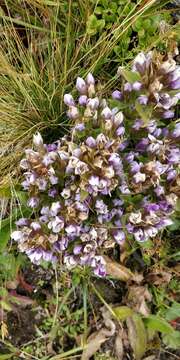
[[37, 139], [17, 235], [139, 177], [135, 218], [55, 207]]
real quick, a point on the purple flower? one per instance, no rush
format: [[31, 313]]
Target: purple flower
[[128, 87], [33, 202], [171, 175], [72, 230], [91, 142], [90, 79], [175, 84], [135, 167], [73, 112], [83, 100], [81, 85], [139, 63], [22, 222], [101, 207], [79, 127], [123, 145], [159, 190], [143, 99], [55, 207], [139, 235], [142, 144], [106, 113], [119, 237], [93, 103], [117, 95], [120, 131], [176, 132], [68, 100], [57, 224], [35, 226], [168, 114], [99, 266], [137, 124], [52, 192], [77, 249], [137, 85]]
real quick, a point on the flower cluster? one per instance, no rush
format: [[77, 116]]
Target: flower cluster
[[114, 177]]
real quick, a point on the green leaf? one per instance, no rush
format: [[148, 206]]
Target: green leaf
[[4, 305], [94, 25], [130, 76], [155, 323], [123, 312], [144, 112], [84, 194], [6, 356], [174, 312], [4, 236], [172, 340], [137, 335]]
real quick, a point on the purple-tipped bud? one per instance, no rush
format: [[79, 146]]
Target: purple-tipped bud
[[79, 127], [106, 113], [128, 87], [117, 95], [81, 85], [139, 63], [91, 142], [68, 100], [90, 79], [83, 100], [73, 112], [137, 86], [93, 103]]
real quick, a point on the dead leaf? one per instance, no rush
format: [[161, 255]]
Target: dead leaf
[[137, 335], [159, 277], [93, 344], [151, 357], [117, 271], [119, 346], [96, 339], [137, 297]]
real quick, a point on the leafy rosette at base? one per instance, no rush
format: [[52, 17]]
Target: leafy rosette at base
[[113, 178]]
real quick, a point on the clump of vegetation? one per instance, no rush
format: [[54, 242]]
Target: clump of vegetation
[[89, 242]]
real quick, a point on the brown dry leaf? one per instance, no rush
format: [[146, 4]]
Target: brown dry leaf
[[159, 277], [137, 297], [117, 271], [94, 343], [151, 357], [96, 339], [137, 335], [119, 346]]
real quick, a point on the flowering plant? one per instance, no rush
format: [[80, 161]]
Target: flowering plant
[[114, 177]]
